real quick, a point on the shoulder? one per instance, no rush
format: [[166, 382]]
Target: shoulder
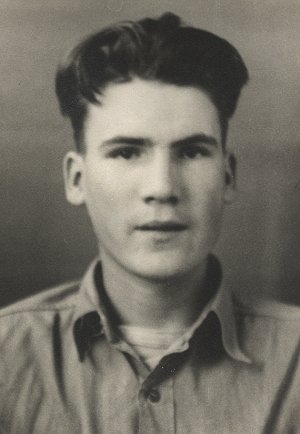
[[31, 333], [26, 327], [267, 309], [57, 298], [268, 329], [268, 314], [35, 314]]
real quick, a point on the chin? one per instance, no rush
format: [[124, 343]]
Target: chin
[[163, 269]]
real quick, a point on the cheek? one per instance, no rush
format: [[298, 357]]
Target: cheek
[[106, 195], [206, 187]]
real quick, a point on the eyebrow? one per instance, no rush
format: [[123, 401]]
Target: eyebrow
[[124, 140], [141, 141], [196, 138]]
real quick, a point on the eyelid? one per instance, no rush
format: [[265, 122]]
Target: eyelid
[[202, 148], [116, 151]]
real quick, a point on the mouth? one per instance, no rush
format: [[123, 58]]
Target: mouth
[[162, 226]]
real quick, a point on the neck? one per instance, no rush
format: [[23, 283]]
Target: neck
[[168, 305]]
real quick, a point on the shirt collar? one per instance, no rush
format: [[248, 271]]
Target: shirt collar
[[92, 320], [87, 320], [224, 309], [221, 304]]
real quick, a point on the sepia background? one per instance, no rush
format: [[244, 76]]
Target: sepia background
[[44, 241]]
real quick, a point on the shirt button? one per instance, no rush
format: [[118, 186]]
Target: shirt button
[[153, 395]]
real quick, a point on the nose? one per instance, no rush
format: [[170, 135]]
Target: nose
[[161, 180]]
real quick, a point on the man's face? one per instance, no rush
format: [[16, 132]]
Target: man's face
[[152, 177]]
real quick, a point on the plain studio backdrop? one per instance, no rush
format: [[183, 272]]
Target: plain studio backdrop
[[44, 241]]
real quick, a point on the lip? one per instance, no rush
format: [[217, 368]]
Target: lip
[[162, 226]]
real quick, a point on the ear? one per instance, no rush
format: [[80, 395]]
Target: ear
[[73, 170], [230, 177]]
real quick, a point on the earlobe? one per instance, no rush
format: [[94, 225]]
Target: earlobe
[[73, 178], [230, 178]]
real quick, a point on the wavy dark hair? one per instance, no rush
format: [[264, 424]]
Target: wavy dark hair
[[162, 49]]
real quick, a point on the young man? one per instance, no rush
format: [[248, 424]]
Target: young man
[[150, 341]]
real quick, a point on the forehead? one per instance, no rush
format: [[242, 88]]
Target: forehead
[[151, 108]]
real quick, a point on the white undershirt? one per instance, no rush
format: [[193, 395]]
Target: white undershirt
[[150, 344]]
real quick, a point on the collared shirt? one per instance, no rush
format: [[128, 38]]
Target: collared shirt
[[64, 369]]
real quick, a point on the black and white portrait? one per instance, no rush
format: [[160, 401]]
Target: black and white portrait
[[150, 249]]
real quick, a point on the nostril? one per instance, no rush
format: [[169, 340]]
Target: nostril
[[173, 200]]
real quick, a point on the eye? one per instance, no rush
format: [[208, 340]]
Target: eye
[[193, 151], [126, 153]]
